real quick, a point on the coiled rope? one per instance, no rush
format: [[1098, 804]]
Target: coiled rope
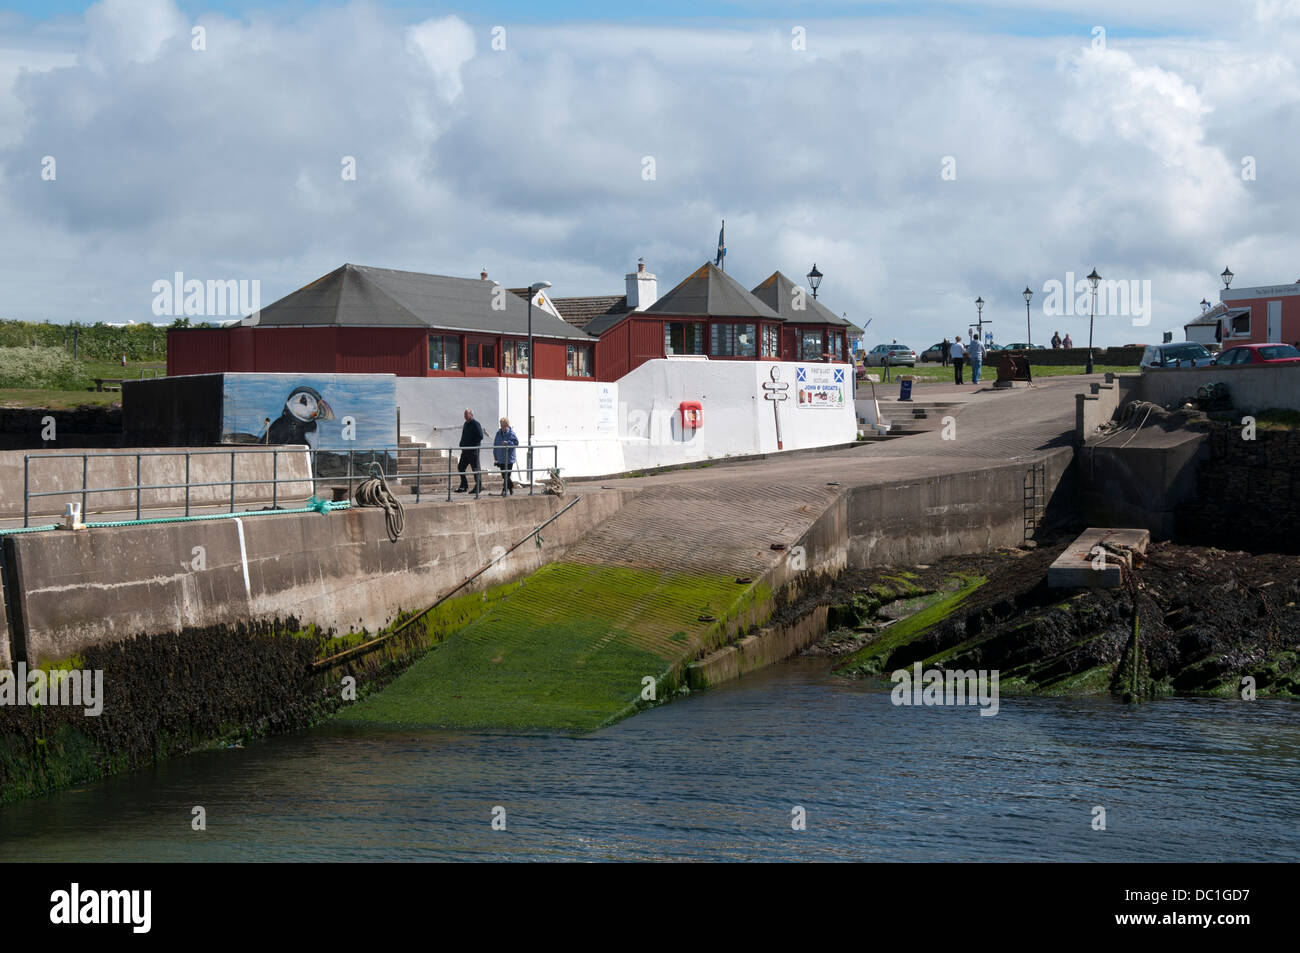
[[375, 492], [554, 482]]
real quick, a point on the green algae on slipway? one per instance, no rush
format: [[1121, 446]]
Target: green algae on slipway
[[569, 648]]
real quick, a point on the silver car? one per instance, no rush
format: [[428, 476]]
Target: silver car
[[1177, 354], [900, 355]]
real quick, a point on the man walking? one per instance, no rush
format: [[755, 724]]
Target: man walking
[[1056, 340], [976, 353], [471, 438], [945, 351], [958, 358]]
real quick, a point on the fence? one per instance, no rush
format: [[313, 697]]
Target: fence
[[299, 474]]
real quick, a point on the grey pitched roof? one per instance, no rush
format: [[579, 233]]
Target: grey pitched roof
[[361, 296], [777, 292], [710, 291]]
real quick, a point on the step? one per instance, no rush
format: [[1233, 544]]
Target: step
[[1079, 567]]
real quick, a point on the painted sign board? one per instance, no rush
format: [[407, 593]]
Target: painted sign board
[[820, 386]]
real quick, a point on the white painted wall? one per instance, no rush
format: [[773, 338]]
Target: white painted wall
[[567, 413], [737, 418], [635, 423]]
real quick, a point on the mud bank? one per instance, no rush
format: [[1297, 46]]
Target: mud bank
[[219, 686], [1207, 619]]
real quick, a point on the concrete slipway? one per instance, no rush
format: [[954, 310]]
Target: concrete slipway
[[646, 584]]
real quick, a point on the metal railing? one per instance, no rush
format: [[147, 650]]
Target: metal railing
[[326, 467]]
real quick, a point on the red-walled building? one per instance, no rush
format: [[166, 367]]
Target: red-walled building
[[359, 320], [710, 314]]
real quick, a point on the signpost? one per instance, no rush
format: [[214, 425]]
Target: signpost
[[775, 391]]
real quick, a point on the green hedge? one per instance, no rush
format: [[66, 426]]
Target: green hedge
[[49, 368]]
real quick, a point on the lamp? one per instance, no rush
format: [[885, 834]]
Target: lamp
[[532, 293], [1093, 280], [814, 279]]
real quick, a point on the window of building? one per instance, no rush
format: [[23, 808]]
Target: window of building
[[837, 345], [444, 352], [578, 362], [810, 345], [1241, 324], [514, 356], [732, 340], [771, 340], [481, 354], [683, 337]]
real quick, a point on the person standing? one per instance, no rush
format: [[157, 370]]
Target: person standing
[[503, 453], [1056, 340], [1068, 342], [958, 358], [471, 438], [976, 354], [945, 351]]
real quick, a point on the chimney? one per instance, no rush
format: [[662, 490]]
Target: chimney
[[642, 288], [483, 274]]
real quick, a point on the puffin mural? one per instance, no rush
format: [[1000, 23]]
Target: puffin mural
[[302, 408], [330, 412]]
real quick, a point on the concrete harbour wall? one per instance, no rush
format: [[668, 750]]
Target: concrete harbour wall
[[337, 570]]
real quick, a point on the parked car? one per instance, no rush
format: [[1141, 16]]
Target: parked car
[[900, 355], [933, 353], [1025, 347], [1178, 354], [1259, 354]]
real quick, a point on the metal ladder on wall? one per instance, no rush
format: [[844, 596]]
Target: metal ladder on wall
[[1035, 498]]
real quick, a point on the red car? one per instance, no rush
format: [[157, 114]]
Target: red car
[[1260, 354]]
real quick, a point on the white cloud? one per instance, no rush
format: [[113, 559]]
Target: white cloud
[[130, 31], [226, 162]]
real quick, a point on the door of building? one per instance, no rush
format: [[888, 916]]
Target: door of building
[[1274, 321]]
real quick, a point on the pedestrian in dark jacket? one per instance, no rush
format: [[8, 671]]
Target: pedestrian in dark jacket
[[471, 438], [945, 349], [503, 453], [1056, 340]]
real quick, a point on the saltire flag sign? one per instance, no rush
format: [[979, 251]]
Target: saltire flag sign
[[722, 245]]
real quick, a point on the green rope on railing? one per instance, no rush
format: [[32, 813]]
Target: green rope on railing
[[313, 506]]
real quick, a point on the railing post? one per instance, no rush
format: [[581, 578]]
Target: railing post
[[350, 473], [448, 476], [418, 474], [232, 481], [84, 483], [26, 463], [187, 483], [275, 479], [137, 486]]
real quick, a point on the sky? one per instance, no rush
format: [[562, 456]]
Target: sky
[[921, 154]]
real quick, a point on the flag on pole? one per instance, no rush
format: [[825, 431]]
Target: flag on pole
[[721, 260]]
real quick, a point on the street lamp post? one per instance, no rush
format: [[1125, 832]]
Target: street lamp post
[[1092, 280], [814, 279], [1227, 277], [980, 322], [532, 293], [1029, 339]]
